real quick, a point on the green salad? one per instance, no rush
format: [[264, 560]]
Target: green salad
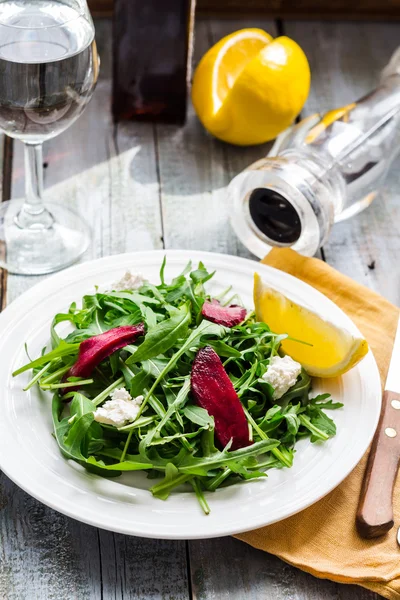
[[168, 380]]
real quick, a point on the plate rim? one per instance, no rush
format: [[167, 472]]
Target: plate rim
[[67, 277]]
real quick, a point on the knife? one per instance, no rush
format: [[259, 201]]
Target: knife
[[375, 509]]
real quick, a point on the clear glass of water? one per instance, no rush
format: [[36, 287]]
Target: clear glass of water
[[48, 71]]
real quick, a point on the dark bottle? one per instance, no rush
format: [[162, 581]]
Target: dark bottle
[[152, 42]]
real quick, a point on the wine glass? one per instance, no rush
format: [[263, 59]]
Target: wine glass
[[48, 71]]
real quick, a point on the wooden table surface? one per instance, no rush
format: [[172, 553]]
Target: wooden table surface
[[144, 186]]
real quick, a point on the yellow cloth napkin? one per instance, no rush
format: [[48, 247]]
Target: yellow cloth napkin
[[322, 539]]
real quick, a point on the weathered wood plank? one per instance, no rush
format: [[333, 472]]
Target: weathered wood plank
[[5, 176], [243, 570], [136, 222], [97, 171], [195, 169], [227, 569], [141, 569], [43, 554], [353, 592], [364, 9], [345, 60]]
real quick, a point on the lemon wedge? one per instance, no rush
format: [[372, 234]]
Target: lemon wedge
[[334, 350], [249, 87]]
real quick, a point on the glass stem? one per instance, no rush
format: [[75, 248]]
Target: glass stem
[[33, 178], [33, 214]]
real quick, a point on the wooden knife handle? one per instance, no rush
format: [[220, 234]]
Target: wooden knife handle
[[375, 508]]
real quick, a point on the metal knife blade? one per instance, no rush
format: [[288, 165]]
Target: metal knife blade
[[393, 376]]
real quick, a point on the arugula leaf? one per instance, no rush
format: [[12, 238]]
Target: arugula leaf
[[81, 405], [163, 336], [63, 349], [208, 443], [202, 465], [172, 480], [299, 391], [138, 384], [150, 317], [76, 435], [199, 416], [205, 328], [155, 366], [136, 464], [223, 349], [201, 275], [323, 422], [318, 423], [178, 402], [200, 495], [321, 401], [162, 270], [176, 281], [293, 423]]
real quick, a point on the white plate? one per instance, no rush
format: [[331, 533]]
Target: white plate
[[30, 457]]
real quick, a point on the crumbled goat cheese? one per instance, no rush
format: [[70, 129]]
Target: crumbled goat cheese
[[121, 394], [130, 281], [282, 374], [120, 410]]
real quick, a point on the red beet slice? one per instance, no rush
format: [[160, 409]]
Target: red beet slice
[[213, 390], [223, 315], [95, 349]]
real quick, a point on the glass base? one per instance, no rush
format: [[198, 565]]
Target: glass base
[[43, 243]]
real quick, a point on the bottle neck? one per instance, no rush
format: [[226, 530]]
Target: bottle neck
[[359, 142]]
